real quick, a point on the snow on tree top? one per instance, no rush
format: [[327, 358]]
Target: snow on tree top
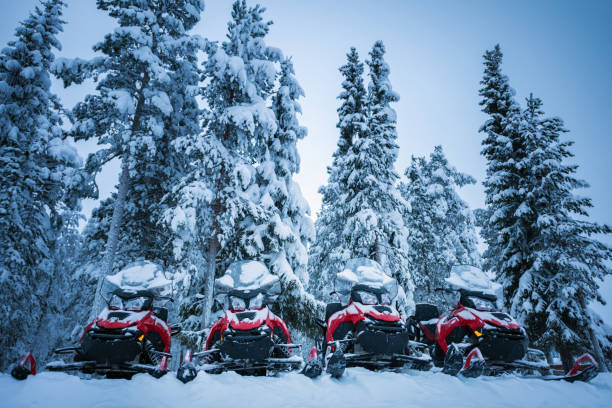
[[471, 278], [247, 275], [367, 272], [140, 275]]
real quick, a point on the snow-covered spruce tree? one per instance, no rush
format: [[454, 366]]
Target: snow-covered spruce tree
[[374, 227], [502, 230], [441, 231], [138, 79], [218, 200], [330, 250], [566, 263], [287, 230], [40, 178]]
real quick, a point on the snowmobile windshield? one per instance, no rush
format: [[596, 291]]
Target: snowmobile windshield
[[370, 296], [137, 303], [479, 303], [365, 297], [257, 302], [237, 303]]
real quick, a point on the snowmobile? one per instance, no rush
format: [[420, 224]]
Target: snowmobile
[[477, 338], [248, 338], [129, 336], [364, 329]]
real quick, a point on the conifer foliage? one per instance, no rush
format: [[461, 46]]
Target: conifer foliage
[[362, 201], [566, 262], [540, 245], [40, 179], [330, 251], [238, 200], [133, 112], [441, 230], [502, 148]]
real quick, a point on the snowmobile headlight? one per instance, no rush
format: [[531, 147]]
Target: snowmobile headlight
[[115, 302], [237, 303], [256, 302], [385, 299], [478, 333], [367, 298]]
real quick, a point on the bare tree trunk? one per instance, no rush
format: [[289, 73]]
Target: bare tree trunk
[[209, 279], [598, 353], [124, 184], [113, 237]]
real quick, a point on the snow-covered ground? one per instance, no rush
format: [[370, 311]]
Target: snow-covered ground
[[359, 388]]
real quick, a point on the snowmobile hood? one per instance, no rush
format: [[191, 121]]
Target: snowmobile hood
[[380, 312], [119, 319], [356, 312], [497, 319], [248, 319]]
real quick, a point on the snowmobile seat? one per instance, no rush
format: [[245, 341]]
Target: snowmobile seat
[[332, 308], [161, 312], [425, 311]]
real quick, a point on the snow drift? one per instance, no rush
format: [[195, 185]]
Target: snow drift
[[359, 388]]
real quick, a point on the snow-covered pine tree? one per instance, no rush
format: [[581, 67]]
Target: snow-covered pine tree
[[218, 200], [566, 261], [502, 229], [139, 77], [40, 178], [441, 230], [287, 230], [374, 227], [329, 252]]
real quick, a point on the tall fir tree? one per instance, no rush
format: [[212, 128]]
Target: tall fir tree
[[330, 250], [441, 230], [374, 227], [566, 262], [40, 178], [146, 66], [288, 229], [506, 254], [222, 214]]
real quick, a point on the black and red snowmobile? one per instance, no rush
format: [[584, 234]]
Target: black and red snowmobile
[[248, 338], [365, 329], [477, 338], [129, 336]]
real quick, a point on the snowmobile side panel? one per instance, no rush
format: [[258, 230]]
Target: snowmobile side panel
[[379, 342], [103, 347], [246, 346], [503, 344]]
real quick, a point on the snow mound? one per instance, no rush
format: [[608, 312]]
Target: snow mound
[[363, 271], [471, 278], [141, 275], [248, 275]]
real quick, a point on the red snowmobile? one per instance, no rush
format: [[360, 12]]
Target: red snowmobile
[[365, 329], [248, 338], [477, 338], [129, 336]]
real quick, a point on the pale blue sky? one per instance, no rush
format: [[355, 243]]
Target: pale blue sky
[[559, 50]]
